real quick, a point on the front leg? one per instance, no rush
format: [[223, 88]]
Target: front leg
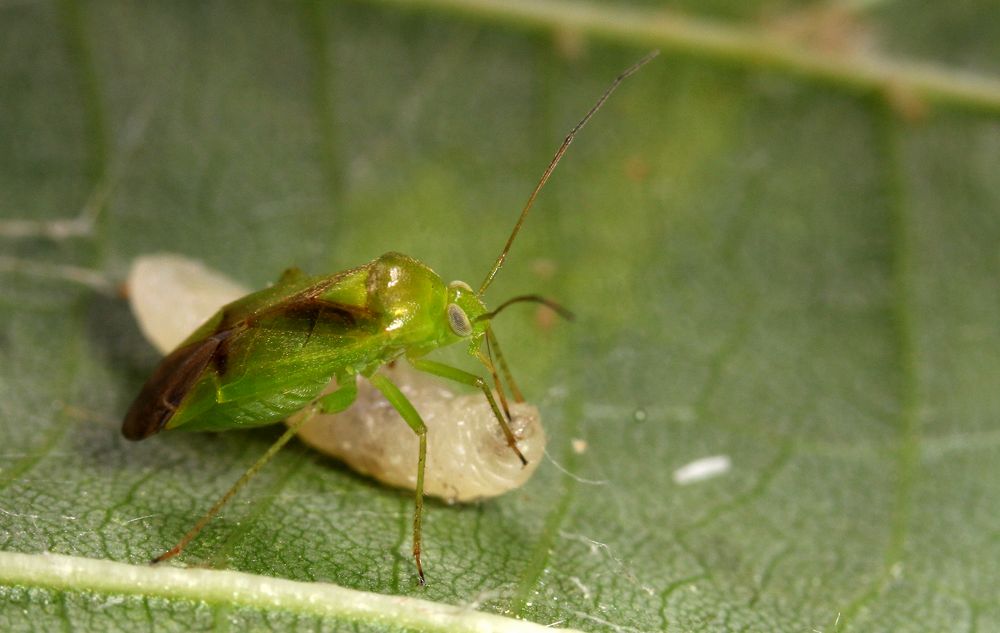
[[467, 378], [402, 404]]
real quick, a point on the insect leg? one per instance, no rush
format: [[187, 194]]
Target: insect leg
[[343, 397], [487, 360], [402, 404], [464, 377], [333, 400], [494, 345]]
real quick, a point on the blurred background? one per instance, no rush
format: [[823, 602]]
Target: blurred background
[[780, 239]]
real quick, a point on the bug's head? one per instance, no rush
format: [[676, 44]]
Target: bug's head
[[464, 313], [469, 319]]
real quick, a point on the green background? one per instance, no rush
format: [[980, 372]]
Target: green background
[[766, 262]]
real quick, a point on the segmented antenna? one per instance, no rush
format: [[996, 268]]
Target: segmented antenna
[[552, 305], [555, 161]]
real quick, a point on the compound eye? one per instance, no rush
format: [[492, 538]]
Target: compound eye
[[458, 321]]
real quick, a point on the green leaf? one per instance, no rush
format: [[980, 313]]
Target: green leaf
[[780, 239]]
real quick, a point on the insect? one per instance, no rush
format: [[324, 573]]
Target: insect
[[467, 456], [270, 354]]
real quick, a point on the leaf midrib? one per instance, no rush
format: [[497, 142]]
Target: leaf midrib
[[744, 46]]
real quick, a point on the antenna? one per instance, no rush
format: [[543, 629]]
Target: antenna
[[552, 305], [555, 161]]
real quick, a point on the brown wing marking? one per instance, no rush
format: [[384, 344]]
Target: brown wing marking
[[319, 311], [313, 311], [312, 308], [181, 369], [166, 388]]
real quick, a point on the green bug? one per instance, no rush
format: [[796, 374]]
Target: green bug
[[270, 354]]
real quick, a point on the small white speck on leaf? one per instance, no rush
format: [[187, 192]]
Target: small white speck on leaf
[[702, 469]]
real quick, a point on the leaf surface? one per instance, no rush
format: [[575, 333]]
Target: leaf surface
[[780, 240]]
